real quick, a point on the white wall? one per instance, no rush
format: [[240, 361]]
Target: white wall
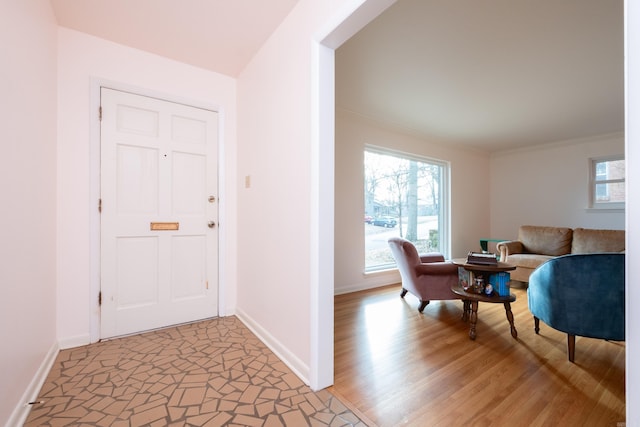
[[278, 139], [469, 195], [273, 212], [28, 197], [549, 185], [81, 59]]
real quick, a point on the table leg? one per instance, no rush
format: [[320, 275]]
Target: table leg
[[474, 319], [466, 307], [507, 309]]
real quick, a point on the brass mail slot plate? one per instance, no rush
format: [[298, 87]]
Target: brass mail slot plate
[[164, 226]]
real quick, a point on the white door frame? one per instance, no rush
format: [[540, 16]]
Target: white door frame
[[94, 192]]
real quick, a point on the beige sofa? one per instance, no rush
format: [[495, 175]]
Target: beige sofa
[[537, 244]]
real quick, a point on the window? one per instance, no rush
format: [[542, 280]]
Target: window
[[607, 187], [404, 195]]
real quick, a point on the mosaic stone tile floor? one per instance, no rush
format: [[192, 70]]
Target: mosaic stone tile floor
[[210, 373]]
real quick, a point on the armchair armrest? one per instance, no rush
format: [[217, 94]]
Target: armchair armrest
[[431, 257], [436, 268], [509, 247]]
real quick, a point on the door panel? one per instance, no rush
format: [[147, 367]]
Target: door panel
[[137, 121], [188, 271], [159, 259], [137, 190], [137, 281], [189, 190]]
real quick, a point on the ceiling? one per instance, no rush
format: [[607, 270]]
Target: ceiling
[[218, 35], [491, 74]]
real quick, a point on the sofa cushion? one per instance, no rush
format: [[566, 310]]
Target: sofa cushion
[[588, 241], [528, 260], [552, 241]]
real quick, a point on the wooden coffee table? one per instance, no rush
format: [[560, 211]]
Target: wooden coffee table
[[471, 299]]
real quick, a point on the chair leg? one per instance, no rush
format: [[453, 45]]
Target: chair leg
[[536, 324], [571, 347], [403, 292], [423, 304]]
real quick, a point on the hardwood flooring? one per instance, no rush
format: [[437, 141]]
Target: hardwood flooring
[[400, 367]]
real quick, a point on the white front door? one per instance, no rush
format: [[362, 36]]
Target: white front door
[[159, 201]]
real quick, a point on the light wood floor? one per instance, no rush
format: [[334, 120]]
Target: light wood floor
[[400, 367]]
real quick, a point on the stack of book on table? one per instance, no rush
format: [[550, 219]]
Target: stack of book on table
[[482, 258]]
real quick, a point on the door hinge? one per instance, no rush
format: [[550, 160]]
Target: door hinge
[[100, 205], [100, 298], [100, 113]]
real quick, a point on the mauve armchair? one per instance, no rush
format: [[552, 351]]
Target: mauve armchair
[[428, 276], [580, 295]]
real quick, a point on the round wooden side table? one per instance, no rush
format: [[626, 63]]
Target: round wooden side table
[[471, 299]]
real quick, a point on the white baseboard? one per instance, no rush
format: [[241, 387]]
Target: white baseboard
[[355, 288], [72, 342], [21, 412], [372, 280], [288, 358], [365, 286]]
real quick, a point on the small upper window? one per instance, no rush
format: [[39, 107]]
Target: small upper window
[[607, 188]]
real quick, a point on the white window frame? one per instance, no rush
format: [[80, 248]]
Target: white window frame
[[594, 205], [444, 219]]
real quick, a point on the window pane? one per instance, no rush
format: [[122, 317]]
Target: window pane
[[601, 171], [402, 198], [610, 193], [608, 170]]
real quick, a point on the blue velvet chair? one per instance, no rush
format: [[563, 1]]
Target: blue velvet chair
[[581, 295]]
